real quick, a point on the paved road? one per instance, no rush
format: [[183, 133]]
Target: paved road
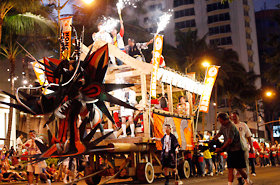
[[265, 176]]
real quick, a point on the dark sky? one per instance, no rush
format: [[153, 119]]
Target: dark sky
[[258, 5], [270, 4]]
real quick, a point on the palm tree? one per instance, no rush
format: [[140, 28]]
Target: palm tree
[[14, 23], [189, 53], [272, 57], [7, 6], [11, 51]]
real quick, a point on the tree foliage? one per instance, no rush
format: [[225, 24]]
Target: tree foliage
[[18, 25], [234, 83], [273, 57], [30, 24]]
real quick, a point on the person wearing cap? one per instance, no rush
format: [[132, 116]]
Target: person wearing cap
[[234, 148], [135, 49]]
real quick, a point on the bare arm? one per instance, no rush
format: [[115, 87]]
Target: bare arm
[[217, 136], [155, 139], [251, 144], [122, 29], [151, 41], [227, 143]]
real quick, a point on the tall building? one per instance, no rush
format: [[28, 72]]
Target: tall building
[[230, 25]]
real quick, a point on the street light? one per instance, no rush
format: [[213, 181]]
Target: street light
[[88, 1], [205, 63], [268, 93]]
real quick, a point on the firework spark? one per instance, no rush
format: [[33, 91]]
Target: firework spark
[[163, 21], [123, 3], [109, 24], [120, 5]]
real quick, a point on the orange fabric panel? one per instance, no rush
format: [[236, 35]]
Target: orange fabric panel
[[158, 130], [188, 134], [179, 123]]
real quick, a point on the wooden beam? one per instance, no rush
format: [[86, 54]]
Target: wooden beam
[[117, 74], [144, 102], [143, 67], [124, 66], [170, 100], [110, 124]]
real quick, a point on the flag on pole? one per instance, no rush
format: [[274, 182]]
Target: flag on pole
[[65, 28], [39, 72], [156, 60], [210, 78]]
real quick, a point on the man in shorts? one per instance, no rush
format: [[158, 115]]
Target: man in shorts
[[233, 146], [170, 148]]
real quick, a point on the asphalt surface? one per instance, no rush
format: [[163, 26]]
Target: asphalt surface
[[265, 176]]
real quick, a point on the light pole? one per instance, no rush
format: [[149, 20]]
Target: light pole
[[258, 128], [216, 106], [59, 8], [269, 94], [205, 64]]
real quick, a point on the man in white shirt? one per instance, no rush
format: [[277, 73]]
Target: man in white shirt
[[19, 144], [245, 136]]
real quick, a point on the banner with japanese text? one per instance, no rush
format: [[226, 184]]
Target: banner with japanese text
[[210, 78], [40, 74], [65, 28], [158, 42], [180, 127]]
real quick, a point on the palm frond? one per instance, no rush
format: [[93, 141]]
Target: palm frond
[[29, 23]]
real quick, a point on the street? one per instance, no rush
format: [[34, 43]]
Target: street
[[265, 176]]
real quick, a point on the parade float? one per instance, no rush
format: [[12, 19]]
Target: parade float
[[79, 94]]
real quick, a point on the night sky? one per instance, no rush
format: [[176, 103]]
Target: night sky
[[258, 5], [270, 4]]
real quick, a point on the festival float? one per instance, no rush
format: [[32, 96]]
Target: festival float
[[80, 94]]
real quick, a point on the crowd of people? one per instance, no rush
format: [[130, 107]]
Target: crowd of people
[[15, 167], [238, 150]]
